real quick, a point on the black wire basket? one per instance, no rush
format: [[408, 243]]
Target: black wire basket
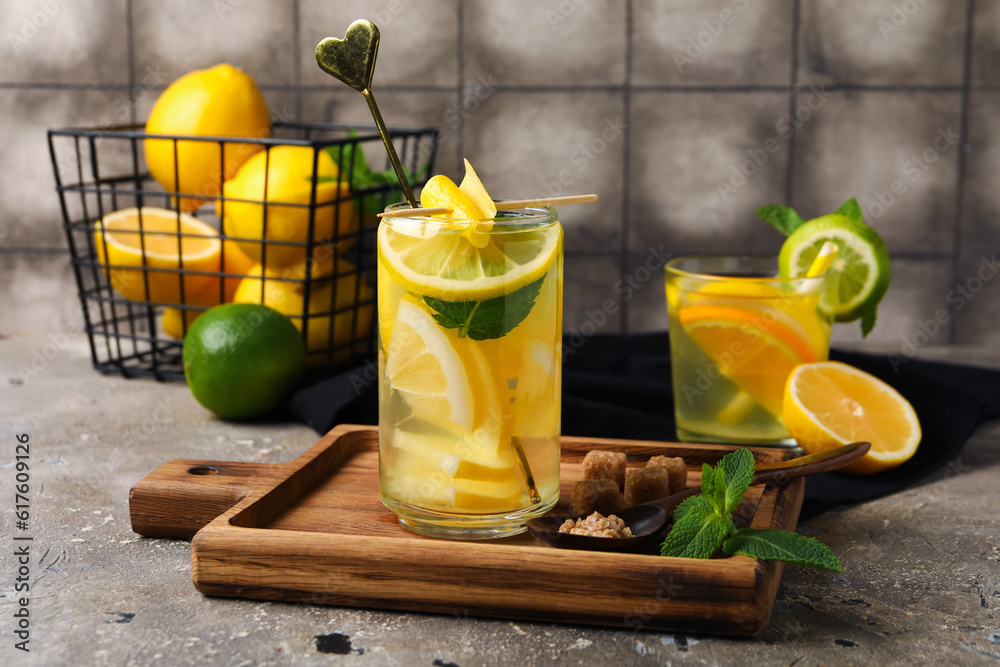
[[137, 309]]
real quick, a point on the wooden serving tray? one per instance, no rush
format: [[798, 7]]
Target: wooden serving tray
[[314, 530]]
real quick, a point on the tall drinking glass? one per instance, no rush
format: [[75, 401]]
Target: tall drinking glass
[[470, 363], [737, 330]]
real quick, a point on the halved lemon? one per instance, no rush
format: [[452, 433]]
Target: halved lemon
[[157, 248], [828, 404]]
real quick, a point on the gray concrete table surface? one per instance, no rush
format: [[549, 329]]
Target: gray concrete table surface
[[921, 580]]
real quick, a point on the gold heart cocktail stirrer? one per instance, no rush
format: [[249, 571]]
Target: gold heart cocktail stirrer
[[352, 60]]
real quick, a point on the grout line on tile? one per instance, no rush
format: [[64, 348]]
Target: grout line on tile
[[512, 88], [627, 152], [130, 46], [792, 102], [65, 86], [500, 88], [963, 133], [296, 61], [593, 254], [30, 251], [460, 88]]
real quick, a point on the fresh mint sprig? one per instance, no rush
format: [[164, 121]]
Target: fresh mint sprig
[[491, 318], [704, 524]]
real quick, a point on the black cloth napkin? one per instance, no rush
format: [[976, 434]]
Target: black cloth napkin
[[620, 387]]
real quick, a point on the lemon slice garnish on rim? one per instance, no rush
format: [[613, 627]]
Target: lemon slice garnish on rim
[[449, 267]]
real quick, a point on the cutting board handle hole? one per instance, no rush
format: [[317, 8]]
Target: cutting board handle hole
[[203, 470]]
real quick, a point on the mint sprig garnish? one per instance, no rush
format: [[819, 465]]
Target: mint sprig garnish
[[782, 218], [704, 524], [851, 209], [783, 545], [868, 321], [491, 318]]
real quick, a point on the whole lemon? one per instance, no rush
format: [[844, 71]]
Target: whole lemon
[[285, 292], [289, 174], [243, 360], [222, 101]]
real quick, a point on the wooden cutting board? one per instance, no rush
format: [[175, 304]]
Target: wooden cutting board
[[314, 530]]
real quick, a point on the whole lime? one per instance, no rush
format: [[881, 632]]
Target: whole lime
[[243, 360]]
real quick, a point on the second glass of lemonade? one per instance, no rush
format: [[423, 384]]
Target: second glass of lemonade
[[737, 330], [470, 363]]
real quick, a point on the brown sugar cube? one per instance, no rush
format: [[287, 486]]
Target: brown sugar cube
[[645, 484], [605, 465], [596, 495], [676, 467]]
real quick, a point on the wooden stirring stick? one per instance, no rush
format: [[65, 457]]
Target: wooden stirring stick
[[501, 206]]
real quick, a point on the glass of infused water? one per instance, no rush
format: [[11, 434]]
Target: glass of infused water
[[470, 330], [737, 329]]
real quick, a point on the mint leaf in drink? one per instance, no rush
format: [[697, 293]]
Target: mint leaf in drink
[[697, 534], [738, 467], [851, 209], [783, 545], [485, 320], [782, 218]]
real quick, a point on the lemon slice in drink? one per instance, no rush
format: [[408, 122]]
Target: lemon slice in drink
[[533, 415], [757, 354], [427, 371], [859, 276], [446, 265]]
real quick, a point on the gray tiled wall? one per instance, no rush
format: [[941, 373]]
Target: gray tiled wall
[[653, 104]]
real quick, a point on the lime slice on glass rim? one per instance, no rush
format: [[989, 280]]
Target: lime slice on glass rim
[[859, 276]]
